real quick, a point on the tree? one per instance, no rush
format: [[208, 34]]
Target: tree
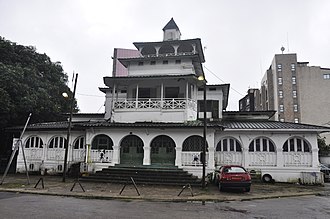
[[324, 149], [29, 83]]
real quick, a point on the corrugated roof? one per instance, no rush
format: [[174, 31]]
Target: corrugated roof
[[232, 125]]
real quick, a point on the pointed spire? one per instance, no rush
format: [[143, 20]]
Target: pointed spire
[[171, 25], [171, 31]]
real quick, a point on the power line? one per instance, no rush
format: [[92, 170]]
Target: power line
[[89, 95], [223, 81]]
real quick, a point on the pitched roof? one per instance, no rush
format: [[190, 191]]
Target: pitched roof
[[171, 25]]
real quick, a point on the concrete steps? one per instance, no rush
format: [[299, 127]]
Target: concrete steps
[[143, 175]]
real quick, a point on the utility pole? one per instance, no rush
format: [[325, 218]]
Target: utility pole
[[69, 130]]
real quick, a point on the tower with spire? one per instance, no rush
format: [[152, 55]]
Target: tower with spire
[[171, 31]]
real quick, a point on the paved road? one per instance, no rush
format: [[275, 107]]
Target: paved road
[[14, 205]]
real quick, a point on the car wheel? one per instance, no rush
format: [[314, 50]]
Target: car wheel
[[247, 189], [267, 178], [220, 187]]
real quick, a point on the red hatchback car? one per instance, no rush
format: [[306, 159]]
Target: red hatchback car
[[233, 176]]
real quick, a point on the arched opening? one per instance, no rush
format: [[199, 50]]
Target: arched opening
[[102, 142], [166, 49], [33, 142], [193, 143], [162, 150], [102, 149], [262, 152], [148, 50], [131, 150], [228, 151], [297, 152], [185, 48], [57, 142]]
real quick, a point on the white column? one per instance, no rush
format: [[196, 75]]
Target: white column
[[178, 157], [146, 155], [116, 154], [245, 157], [210, 141], [161, 95], [137, 96], [315, 157], [279, 157]]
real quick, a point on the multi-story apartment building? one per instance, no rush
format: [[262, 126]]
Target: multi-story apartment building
[[296, 91], [251, 101]]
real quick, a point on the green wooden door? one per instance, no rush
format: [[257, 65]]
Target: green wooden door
[[131, 151], [163, 151]]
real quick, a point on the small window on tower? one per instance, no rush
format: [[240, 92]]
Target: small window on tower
[[177, 61], [279, 67], [153, 63], [165, 62], [140, 63]]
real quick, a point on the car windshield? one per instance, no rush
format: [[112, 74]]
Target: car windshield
[[234, 170]]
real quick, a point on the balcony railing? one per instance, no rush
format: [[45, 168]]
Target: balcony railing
[[154, 103]]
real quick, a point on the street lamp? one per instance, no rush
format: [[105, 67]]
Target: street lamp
[[202, 78], [65, 95]]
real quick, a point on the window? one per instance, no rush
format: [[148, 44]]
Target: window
[[296, 120], [177, 61], [279, 67], [296, 144], [280, 81], [293, 67], [165, 62], [79, 143], [281, 108], [57, 142], [294, 94], [326, 76], [295, 108], [140, 63], [262, 144], [33, 142], [153, 63], [234, 145], [282, 120], [280, 94], [294, 80]]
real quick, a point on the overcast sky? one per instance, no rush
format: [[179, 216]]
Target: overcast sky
[[240, 37]]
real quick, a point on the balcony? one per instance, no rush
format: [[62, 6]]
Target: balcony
[[155, 104]]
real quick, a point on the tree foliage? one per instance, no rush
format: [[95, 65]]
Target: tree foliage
[[324, 149], [30, 83]]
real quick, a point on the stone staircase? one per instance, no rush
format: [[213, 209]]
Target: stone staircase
[[143, 175]]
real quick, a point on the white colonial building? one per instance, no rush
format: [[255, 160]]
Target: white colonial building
[[152, 118]]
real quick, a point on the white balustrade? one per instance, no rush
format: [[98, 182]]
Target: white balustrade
[[192, 158], [262, 158], [227, 157], [78, 155], [302, 159], [55, 154], [33, 153], [155, 103], [101, 155]]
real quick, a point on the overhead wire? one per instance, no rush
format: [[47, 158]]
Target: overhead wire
[[223, 81]]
